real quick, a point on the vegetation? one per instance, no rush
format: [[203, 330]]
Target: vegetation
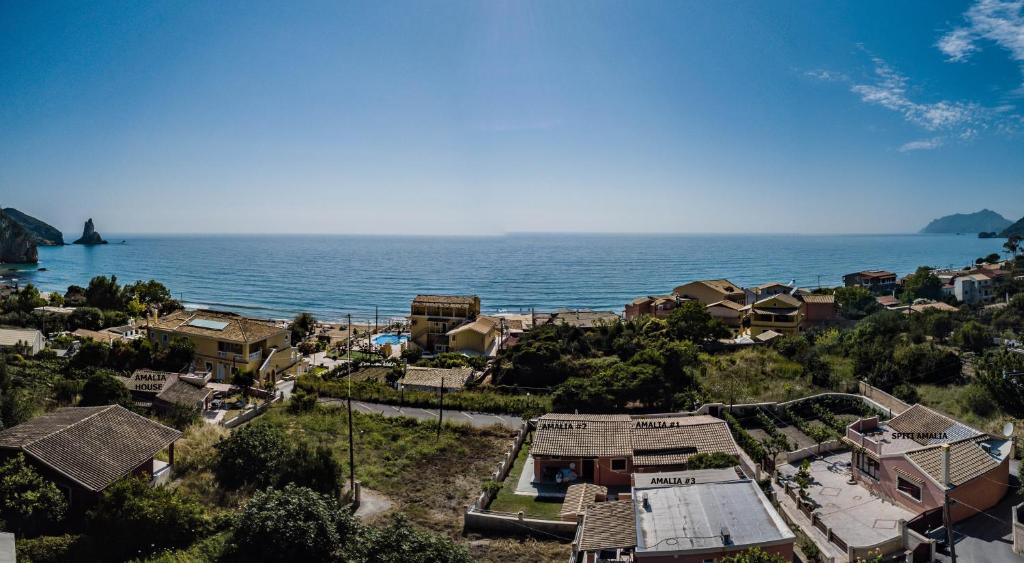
[[29, 504], [753, 555]]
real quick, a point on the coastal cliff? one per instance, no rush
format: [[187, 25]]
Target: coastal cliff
[[1014, 229], [982, 221], [89, 235], [43, 233], [17, 245]]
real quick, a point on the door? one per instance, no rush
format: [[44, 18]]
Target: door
[[588, 470]]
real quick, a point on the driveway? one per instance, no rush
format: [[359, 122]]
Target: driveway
[[479, 420], [989, 537]]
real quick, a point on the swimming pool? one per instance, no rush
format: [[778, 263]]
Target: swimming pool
[[392, 339]]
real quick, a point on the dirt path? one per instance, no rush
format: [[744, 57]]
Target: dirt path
[[372, 503]]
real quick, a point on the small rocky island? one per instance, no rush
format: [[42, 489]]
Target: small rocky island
[[89, 235]]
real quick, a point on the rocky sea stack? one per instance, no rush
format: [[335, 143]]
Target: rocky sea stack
[[17, 245], [89, 235]]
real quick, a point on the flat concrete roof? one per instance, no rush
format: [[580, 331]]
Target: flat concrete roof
[[694, 518]]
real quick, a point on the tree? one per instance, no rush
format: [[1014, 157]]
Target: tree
[[938, 325], [399, 542], [89, 318], [991, 258], [316, 468], [29, 504], [290, 524], [754, 555], [716, 460], [1012, 244], [55, 299], [855, 302], [973, 336], [302, 326], [91, 355], [923, 283], [302, 401], [28, 298], [149, 294], [691, 321], [253, 455], [102, 388], [104, 293], [135, 519], [1001, 372], [179, 354]]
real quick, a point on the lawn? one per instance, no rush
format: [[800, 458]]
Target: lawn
[[431, 479], [949, 399], [507, 501], [754, 375]]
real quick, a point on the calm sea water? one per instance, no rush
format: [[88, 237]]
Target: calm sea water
[[277, 276]]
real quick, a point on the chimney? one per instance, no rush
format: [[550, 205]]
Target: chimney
[[646, 502], [726, 536], [945, 465]]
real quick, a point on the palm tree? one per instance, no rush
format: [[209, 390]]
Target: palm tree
[[1012, 244]]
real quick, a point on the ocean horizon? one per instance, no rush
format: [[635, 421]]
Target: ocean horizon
[[276, 276]]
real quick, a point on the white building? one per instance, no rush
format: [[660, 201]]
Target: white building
[[27, 341], [974, 289]]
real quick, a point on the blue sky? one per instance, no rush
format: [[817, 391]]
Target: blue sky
[[489, 117]]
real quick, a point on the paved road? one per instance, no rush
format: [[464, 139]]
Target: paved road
[[480, 420]]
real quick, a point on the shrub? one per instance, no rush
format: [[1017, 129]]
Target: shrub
[[104, 389], [197, 449], [907, 393], [978, 400], [754, 555], [290, 524], [136, 519], [253, 455], [315, 468], [398, 542], [48, 549], [29, 504], [716, 460], [743, 438], [302, 401]]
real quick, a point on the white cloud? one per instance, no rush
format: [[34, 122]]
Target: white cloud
[[826, 75], [890, 92], [922, 145], [998, 21]]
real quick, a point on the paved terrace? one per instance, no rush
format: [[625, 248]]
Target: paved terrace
[[853, 513]]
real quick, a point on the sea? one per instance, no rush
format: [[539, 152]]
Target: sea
[[277, 276]]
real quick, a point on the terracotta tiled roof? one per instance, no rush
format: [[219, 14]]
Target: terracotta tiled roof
[[608, 525], [778, 301], [184, 394], [672, 441], [967, 460], [93, 446], [817, 298], [579, 497], [727, 304], [431, 377], [16, 336], [650, 440], [926, 425], [447, 299], [482, 325], [582, 435], [235, 328]]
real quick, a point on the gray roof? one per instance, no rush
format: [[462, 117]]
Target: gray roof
[[18, 336], [692, 518], [7, 550], [92, 446]]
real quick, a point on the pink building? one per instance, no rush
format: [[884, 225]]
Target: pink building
[[920, 456], [658, 306]]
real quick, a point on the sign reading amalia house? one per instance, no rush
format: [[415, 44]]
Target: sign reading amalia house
[[147, 381]]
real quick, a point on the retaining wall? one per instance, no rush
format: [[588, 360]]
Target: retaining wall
[[892, 404], [507, 524]]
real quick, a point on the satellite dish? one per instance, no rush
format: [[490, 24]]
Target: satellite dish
[[1008, 429]]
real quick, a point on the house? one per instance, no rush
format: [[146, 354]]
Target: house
[[167, 390], [432, 317], [434, 379], [819, 308], [757, 293], [606, 449], [875, 280], [480, 337], [109, 335], [26, 341], [781, 313], [918, 457], [975, 289], [658, 306], [226, 343], [711, 291], [683, 517], [730, 313], [84, 450], [582, 318]]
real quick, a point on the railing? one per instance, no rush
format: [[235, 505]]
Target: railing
[[255, 356]]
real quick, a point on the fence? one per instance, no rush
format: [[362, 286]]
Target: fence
[[504, 466], [894, 405], [817, 449], [248, 415]]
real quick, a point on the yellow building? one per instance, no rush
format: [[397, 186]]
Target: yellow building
[[432, 317], [226, 342], [781, 313], [711, 291], [478, 338]]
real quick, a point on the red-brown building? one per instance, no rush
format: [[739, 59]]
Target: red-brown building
[[819, 309]]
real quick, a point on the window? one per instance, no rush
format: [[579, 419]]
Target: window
[[619, 464], [867, 465], [908, 488]]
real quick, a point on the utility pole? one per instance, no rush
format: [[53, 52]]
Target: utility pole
[[440, 407], [351, 444], [376, 312], [946, 520]]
